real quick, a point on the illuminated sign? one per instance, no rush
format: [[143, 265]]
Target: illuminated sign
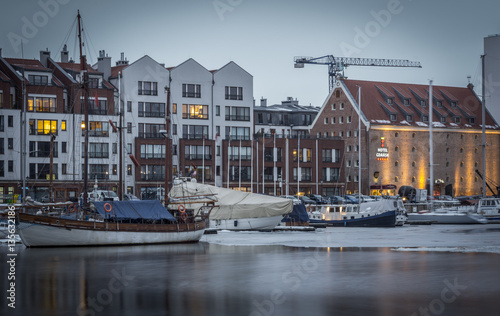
[[382, 151]]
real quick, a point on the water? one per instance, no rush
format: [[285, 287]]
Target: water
[[209, 278]]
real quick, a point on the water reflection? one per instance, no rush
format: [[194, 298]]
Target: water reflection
[[210, 279]]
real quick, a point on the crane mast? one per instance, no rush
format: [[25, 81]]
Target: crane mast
[[336, 65]]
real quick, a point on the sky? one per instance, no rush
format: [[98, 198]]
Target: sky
[[264, 36]]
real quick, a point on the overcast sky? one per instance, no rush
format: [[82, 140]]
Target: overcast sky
[[263, 36]]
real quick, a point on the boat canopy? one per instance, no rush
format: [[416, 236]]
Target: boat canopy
[[298, 214], [149, 209], [230, 204]]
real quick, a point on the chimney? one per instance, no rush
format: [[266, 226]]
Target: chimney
[[104, 64], [263, 102], [44, 55], [122, 61], [64, 54]]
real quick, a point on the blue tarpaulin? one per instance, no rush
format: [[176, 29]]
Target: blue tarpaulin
[[124, 210], [298, 214]]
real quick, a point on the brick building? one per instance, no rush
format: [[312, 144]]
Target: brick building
[[395, 136]]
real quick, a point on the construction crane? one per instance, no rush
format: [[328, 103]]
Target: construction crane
[[336, 65]]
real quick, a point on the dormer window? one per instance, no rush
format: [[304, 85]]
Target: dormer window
[[442, 119], [422, 103], [389, 101], [453, 104], [439, 104], [38, 80], [457, 119], [409, 118], [425, 118], [472, 120], [406, 102], [394, 117]]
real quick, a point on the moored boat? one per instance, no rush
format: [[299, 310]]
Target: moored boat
[[112, 223], [446, 216], [489, 208], [234, 210], [381, 213]]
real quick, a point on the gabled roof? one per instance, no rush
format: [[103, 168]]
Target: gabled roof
[[75, 68], [466, 104], [116, 69], [4, 77]]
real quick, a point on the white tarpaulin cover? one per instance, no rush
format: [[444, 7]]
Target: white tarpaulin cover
[[232, 204]]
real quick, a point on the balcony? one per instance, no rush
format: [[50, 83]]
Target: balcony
[[243, 118], [151, 114], [150, 135]]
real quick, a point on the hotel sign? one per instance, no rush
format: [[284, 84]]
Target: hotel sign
[[382, 151]]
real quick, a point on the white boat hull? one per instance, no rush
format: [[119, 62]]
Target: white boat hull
[[258, 223], [37, 235], [447, 218]]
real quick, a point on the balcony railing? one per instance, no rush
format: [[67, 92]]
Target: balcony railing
[[198, 157], [237, 157], [151, 114], [238, 118], [150, 135], [156, 177]]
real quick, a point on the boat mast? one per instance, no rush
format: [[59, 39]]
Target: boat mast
[[359, 145], [483, 118], [83, 74], [120, 142], [431, 149]]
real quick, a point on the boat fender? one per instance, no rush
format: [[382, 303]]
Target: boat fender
[[107, 207]]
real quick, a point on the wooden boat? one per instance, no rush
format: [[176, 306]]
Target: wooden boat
[[112, 223]]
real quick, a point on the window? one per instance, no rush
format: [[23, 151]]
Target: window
[[98, 171], [394, 117], [1, 100], [115, 169], [64, 168], [129, 106], [423, 103], [396, 163], [174, 108], [341, 106], [325, 121], [234, 93], [150, 130], [425, 118], [41, 104], [38, 80], [174, 150], [192, 152], [442, 119], [114, 148], [239, 114], [389, 101], [97, 150], [217, 110], [305, 174], [129, 127], [148, 88], [93, 83], [2, 127], [457, 119], [334, 107], [191, 90], [439, 104], [10, 121], [349, 119], [194, 131], [2, 173], [195, 111], [129, 170], [10, 166], [472, 120], [396, 148], [413, 149], [348, 134], [149, 109], [63, 125], [2, 150], [333, 120], [174, 129], [406, 102], [98, 129], [237, 133], [42, 127], [453, 104], [64, 146], [99, 108], [337, 93], [152, 151], [341, 120]]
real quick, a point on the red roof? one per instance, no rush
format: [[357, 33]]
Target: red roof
[[460, 106], [76, 67], [27, 64]]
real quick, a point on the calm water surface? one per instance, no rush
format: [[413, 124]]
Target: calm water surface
[[211, 279]]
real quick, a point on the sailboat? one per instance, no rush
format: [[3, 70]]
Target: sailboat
[[108, 222]]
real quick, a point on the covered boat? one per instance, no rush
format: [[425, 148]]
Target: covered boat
[[234, 210]]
